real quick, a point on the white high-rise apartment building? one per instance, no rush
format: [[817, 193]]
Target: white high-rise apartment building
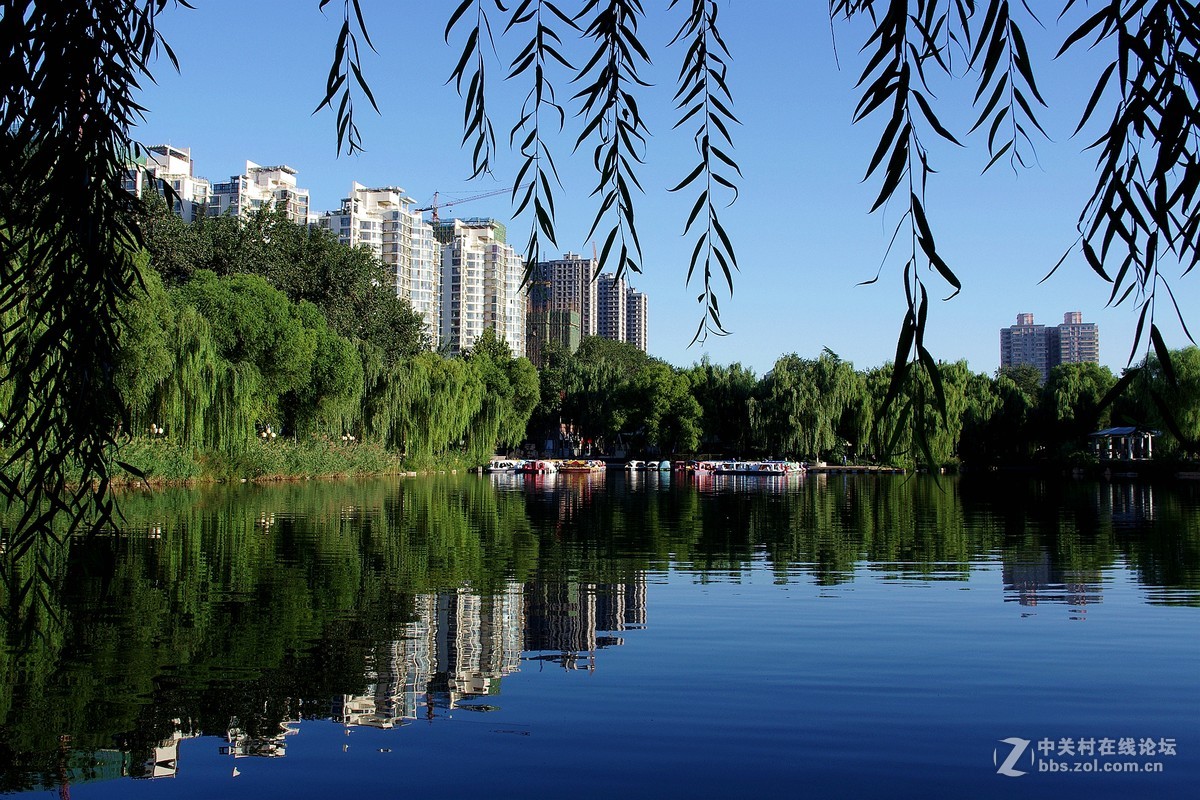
[[174, 166], [382, 220], [481, 285], [637, 308], [1043, 347], [257, 187], [611, 318]]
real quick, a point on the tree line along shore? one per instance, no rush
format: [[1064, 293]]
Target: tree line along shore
[[258, 348]]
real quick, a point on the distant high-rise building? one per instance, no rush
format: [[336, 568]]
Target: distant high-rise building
[[570, 286], [383, 220], [611, 299], [1078, 341], [637, 306], [1072, 342], [172, 165], [605, 306], [481, 288], [259, 187], [562, 304]]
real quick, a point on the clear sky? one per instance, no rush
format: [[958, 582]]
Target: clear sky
[[252, 71]]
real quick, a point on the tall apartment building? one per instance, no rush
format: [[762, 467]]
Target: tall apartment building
[[611, 307], [1072, 342], [482, 285], [1078, 341], [637, 307], [174, 166], [257, 187], [382, 219], [562, 304], [605, 305], [571, 286]]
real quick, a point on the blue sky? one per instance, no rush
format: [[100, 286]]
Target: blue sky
[[252, 72]]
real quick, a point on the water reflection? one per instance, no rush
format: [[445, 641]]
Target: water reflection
[[1035, 580], [242, 612]]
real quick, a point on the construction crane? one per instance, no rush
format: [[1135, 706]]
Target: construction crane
[[434, 206]]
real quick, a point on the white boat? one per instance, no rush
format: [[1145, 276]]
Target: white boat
[[636, 466], [762, 468], [503, 465], [539, 466]]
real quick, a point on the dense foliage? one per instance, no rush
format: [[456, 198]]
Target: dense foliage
[[824, 409], [262, 329]]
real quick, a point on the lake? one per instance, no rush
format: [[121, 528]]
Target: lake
[[641, 635]]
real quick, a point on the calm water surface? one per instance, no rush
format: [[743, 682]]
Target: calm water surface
[[462, 636]]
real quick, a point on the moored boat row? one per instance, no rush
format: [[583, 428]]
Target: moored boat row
[[550, 466], [767, 468], [543, 466]]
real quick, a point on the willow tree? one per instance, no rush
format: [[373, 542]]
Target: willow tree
[[1073, 404], [661, 401], [724, 393], [1166, 395], [429, 405], [146, 356], [496, 422], [801, 403], [330, 401]]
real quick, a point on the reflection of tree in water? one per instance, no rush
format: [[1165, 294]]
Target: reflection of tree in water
[[374, 602]]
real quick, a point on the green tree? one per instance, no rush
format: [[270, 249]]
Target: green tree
[[661, 398], [352, 288], [1072, 404], [801, 403], [1169, 403], [724, 395], [256, 325], [510, 392], [146, 356], [330, 400]]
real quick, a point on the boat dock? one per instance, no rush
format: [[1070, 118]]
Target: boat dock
[[854, 469]]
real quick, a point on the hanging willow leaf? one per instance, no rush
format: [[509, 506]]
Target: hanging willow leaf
[[347, 64], [610, 113], [908, 36], [703, 94], [1145, 206], [471, 69], [68, 238], [535, 180], [1000, 59]]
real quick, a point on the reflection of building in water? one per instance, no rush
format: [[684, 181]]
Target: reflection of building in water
[[565, 619], [477, 642], [90, 766], [399, 677], [1127, 501], [243, 745], [1030, 580], [461, 644], [164, 763]]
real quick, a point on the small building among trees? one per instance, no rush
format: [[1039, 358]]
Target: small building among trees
[[1127, 443]]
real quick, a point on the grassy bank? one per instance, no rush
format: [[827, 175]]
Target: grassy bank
[[165, 462]]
